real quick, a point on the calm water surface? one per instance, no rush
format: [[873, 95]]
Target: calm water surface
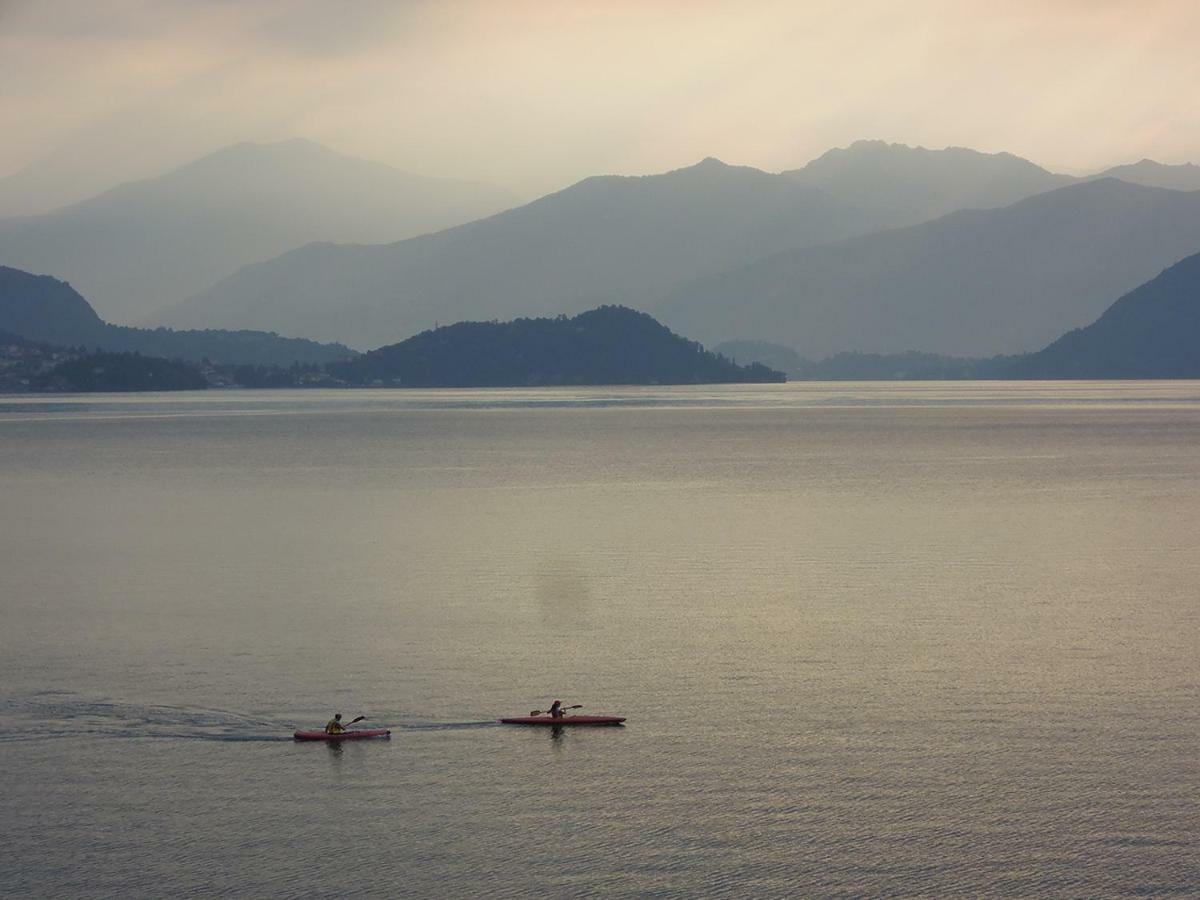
[[891, 639]]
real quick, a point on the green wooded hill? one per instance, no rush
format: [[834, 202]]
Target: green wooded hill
[[42, 308], [1151, 332], [608, 345]]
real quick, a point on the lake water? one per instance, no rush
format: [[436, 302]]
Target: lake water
[[890, 639]]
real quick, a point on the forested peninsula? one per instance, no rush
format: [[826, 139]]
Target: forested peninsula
[[608, 345]]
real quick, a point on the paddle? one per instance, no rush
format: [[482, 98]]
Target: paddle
[[538, 712]]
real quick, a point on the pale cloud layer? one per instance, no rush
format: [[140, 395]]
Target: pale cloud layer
[[534, 95]]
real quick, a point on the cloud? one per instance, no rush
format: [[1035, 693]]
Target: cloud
[[537, 94]]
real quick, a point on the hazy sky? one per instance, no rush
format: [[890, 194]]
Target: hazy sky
[[534, 95]]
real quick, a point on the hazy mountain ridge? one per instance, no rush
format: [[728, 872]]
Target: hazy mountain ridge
[[851, 366], [1147, 172], [777, 356], [973, 283], [44, 309], [144, 244], [607, 239], [901, 185], [1151, 332], [59, 179]]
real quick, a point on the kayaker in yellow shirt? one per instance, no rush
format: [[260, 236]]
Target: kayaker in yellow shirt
[[334, 725]]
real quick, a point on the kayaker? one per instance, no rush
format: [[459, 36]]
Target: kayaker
[[556, 709], [334, 725]]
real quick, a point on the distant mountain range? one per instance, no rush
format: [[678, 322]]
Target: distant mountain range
[[1152, 332], [777, 356], [1184, 177], [852, 366], [900, 185], [143, 245], [973, 283], [707, 248], [43, 309], [608, 239], [1003, 256]]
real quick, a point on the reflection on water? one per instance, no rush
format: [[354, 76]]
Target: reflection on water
[[894, 639], [14, 407]]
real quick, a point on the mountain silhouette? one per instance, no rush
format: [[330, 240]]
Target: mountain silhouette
[[900, 185], [41, 308], [607, 239], [608, 345], [970, 284], [44, 309], [1151, 332], [142, 245], [1184, 177]]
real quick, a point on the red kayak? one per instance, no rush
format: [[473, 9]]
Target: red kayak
[[350, 735], [564, 720]]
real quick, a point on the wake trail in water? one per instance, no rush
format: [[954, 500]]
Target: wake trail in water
[[52, 715], [443, 726], [62, 714]]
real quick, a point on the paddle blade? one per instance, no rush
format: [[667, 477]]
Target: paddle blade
[[359, 719]]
